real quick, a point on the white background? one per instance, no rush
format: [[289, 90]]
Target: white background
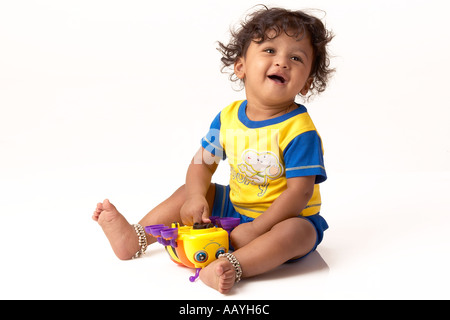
[[109, 99]]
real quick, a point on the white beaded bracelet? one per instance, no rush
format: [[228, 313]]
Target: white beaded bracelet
[[142, 240], [237, 266]]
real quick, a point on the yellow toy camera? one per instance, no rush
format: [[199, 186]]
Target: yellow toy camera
[[195, 246]]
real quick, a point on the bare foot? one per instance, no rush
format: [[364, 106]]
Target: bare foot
[[219, 275], [120, 233]]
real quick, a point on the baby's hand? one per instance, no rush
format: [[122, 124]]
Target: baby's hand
[[195, 209]]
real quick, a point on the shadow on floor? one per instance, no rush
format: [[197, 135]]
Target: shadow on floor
[[311, 264]]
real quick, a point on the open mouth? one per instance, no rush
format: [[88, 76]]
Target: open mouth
[[277, 78]]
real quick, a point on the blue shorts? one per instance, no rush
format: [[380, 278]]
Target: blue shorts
[[224, 208]]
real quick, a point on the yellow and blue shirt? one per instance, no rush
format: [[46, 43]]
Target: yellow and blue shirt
[[264, 154]]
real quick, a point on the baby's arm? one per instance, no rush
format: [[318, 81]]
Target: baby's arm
[[288, 205], [198, 181]]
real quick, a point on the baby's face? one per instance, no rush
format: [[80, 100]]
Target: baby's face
[[278, 69]]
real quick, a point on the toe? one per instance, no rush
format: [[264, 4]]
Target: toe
[[219, 270], [108, 205]]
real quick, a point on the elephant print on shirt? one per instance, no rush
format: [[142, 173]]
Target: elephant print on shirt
[[260, 167]]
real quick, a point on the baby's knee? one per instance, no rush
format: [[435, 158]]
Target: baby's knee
[[233, 242], [296, 230]]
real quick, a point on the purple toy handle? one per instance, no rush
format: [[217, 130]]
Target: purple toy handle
[[214, 220], [197, 273], [155, 229], [169, 233], [164, 235], [229, 223], [170, 236]]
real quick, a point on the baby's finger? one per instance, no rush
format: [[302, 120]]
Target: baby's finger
[[205, 216]]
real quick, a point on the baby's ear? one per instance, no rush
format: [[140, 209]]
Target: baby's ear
[[307, 86], [239, 68]]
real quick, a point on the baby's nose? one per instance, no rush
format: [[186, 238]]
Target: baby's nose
[[281, 62]]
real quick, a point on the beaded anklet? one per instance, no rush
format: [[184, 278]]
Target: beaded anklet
[[237, 266], [142, 240]]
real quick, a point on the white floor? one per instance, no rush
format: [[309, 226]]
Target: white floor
[[102, 99], [389, 240]]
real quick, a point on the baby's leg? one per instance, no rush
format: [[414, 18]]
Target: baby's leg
[[121, 234], [289, 239]]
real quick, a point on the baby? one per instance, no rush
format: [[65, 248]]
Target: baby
[[273, 149]]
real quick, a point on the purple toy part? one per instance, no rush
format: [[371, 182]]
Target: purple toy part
[[169, 233], [197, 273], [155, 229], [229, 223], [214, 220], [170, 236], [164, 235], [225, 223]]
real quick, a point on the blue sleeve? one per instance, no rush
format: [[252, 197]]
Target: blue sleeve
[[303, 156], [211, 141]]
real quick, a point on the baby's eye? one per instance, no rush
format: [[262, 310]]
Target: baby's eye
[[269, 50], [297, 59]]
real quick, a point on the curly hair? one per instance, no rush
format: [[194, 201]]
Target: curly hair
[[273, 21]]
